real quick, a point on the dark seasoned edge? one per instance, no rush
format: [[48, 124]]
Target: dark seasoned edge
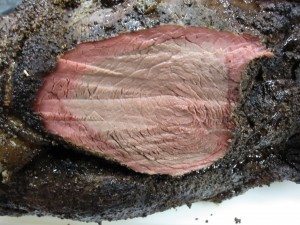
[[14, 30], [88, 189], [1, 87], [44, 186]]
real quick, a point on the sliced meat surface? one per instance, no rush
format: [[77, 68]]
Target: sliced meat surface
[[158, 101]]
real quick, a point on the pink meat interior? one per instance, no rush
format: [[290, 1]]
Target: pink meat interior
[[158, 101]]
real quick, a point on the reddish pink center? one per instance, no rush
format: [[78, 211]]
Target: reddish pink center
[[158, 101]]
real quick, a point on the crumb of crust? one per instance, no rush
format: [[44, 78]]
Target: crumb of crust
[[237, 220]]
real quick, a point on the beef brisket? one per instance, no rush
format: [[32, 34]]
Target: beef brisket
[[158, 101], [41, 78]]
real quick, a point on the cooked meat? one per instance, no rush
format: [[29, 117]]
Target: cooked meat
[[251, 116], [158, 101]]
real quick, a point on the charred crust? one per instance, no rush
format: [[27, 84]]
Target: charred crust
[[110, 3], [296, 72], [67, 3], [3, 66], [292, 153]]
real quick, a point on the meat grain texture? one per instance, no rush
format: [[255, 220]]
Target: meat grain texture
[[43, 175], [158, 101]]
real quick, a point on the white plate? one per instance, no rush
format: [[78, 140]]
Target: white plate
[[278, 204]]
